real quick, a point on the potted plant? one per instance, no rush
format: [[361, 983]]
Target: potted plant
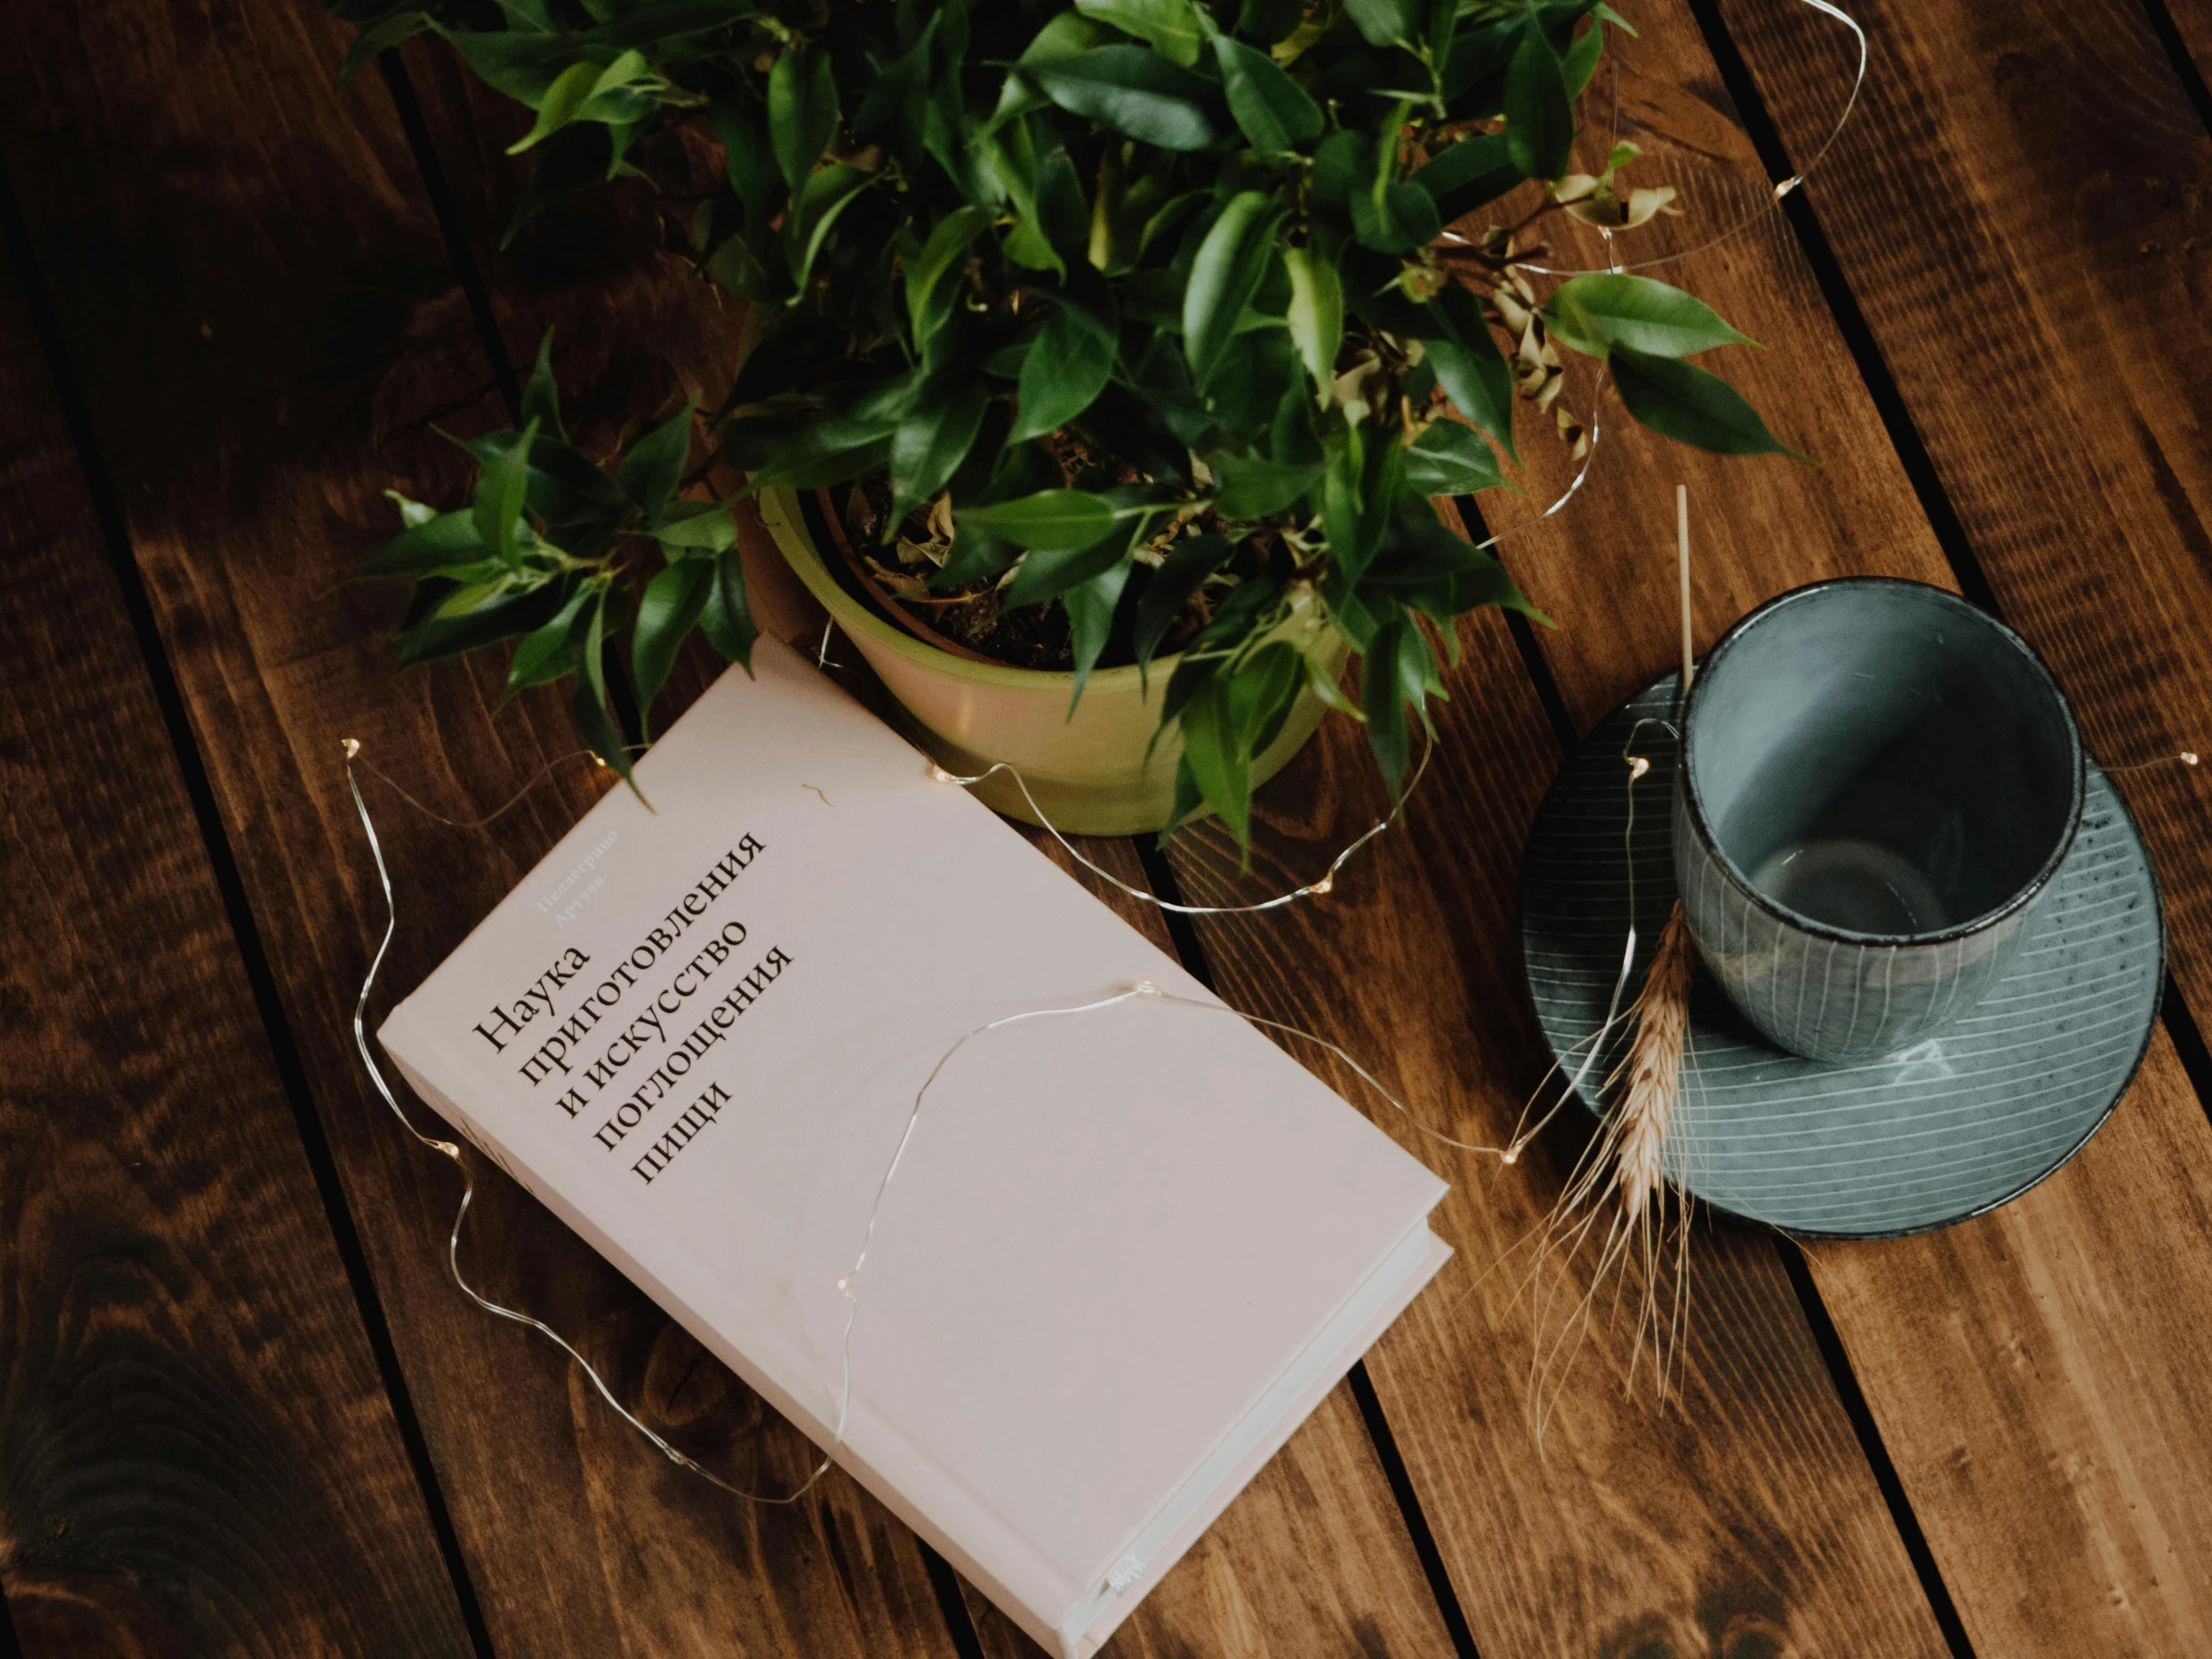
[[1108, 358]]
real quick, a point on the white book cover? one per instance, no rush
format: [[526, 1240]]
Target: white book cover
[[1126, 1251]]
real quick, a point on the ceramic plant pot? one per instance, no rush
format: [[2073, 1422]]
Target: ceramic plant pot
[[1088, 770]]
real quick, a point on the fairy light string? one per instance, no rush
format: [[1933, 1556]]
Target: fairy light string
[[849, 1283], [1777, 192], [1319, 888]]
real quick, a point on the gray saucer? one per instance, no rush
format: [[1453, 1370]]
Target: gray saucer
[[1944, 1131]]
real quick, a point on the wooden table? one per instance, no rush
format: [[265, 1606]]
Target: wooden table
[[243, 1412]]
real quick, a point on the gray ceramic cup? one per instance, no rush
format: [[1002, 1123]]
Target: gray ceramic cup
[[1877, 783]]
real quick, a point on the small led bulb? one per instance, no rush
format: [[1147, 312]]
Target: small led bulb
[[1637, 767], [1326, 883], [1145, 987], [354, 748], [939, 775]]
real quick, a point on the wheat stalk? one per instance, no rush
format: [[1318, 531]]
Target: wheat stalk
[[1661, 1017], [1625, 1163]]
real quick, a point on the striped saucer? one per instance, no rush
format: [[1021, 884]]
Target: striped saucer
[[1946, 1130]]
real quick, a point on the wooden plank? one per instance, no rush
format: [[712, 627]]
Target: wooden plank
[[2192, 26], [266, 324], [2011, 178], [1747, 1513], [2084, 1442], [632, 322], [2022, 215], [196, 1453]]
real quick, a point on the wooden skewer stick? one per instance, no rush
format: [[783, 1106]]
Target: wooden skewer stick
[[1682, 544]]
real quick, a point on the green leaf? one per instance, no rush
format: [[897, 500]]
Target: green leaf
[[546, 653], [1219, 762], [541, 396], [1066, 367], [1133, 91], [667, 612], [1469, 174], [1090, 607], [1342, 163], [1187, 565], [502, 489], [801, 110], [1379, 22], [831, 450], [1451, 459], [727, 618], [413, 514], [976, 556], [1478, 381], [924, 276], [1344, 508], [446, 539], [587, 92], [1224, 276], [1594, 313], [698, 527], [1246, 488], [1580, 61], [1540, 115], [1231, 718], [1047, 574], [1171, 26], [1403, 218], [1426, 564], [654, 467], [521, 65], [588, 711], [425, 635], [1391, 677], [1322, 678], [570, 90], [660, 24], [1317, 312], [936, 436], [1681, 402], [1063, 37], [380, 36], [473, 596], [1048, 522], [1272, 109], [825, 195]]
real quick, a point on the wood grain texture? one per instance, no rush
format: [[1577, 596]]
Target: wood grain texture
[[240, 308], [196, 1453], [2020, 215], [1747, 1516], [2024, 213], [2130, 1465], [629, 332], [2192, 21]]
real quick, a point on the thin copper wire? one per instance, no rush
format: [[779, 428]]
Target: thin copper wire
[[848, 1285], [447, 1148], [1781, 189], [1318, 887]]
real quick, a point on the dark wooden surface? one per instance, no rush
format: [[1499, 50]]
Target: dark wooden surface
[[242, 1412]]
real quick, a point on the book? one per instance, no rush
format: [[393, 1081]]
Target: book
[[1127, 1251]]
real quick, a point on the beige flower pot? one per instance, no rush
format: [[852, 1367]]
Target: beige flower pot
[[1088, 772]]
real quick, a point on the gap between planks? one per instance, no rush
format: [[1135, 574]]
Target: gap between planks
[[244, 931]]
